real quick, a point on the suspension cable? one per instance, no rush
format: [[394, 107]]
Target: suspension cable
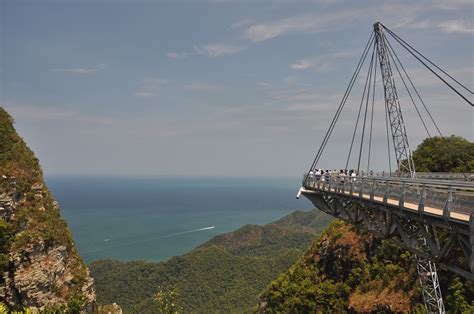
[[408, 91], [343, 101], [357, 119], [421, 100], [366, 106], [372, 112], [355, 127], [415, 89], [432, 63], [404, 45]]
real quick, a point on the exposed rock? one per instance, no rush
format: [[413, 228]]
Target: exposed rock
[[40, 265], [42, 277]]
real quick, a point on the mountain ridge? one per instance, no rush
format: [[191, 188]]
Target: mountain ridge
[[225, 273]]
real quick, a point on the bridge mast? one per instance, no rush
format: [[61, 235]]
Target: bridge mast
[[400, 140], [427, 273]]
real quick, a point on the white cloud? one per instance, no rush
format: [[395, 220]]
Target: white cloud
[[202, 87], [80, 71], [264, 84], [177, 55], [322, 63], [409, 16], [242, 23], [150, 87], [457, 26], [412, 22], [453, 4], [302, 64], [305, 23], [290, 79], [218, 49]]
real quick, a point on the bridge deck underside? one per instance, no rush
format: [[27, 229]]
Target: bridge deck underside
[[448, 231]]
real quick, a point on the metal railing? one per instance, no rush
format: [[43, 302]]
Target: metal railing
[[437, 197], [427, 175]]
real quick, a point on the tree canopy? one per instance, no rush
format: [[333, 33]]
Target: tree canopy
[[449, 154]]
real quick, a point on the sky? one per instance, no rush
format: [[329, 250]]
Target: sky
[[218, 88]]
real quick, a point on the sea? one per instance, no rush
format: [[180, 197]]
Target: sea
[[155, 218]]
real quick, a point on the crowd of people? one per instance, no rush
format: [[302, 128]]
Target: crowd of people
[[326, 175]]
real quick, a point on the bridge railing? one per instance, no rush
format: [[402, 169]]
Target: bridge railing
[[426, 175], [437, 197]]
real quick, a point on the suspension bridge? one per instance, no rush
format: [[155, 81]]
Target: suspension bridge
[[429, 214]]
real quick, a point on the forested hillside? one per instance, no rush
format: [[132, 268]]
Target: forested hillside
[[225, 274], [348, 270]]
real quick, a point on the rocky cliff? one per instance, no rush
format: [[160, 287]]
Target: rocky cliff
[[39, 263]]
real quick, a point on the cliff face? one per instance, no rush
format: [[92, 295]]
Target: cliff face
[[39, 264]]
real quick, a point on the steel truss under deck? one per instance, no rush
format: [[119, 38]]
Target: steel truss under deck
[[446, 243]]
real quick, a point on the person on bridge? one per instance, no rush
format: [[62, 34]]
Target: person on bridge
[[318, 174], [342, 174]]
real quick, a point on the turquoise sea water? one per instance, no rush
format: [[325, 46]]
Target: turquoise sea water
[[130, 218]]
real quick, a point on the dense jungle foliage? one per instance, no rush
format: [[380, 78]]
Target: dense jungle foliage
[[225, 274], [347, 270]]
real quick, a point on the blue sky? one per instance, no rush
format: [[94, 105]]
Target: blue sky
[[231, 88]]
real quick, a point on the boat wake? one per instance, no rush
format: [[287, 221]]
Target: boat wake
[[148, 239]]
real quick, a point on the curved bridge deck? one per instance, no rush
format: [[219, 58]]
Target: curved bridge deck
[[442, 211]]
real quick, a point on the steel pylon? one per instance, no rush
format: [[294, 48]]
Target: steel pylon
[[427, 273]]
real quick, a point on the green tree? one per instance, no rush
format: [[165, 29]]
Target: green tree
[[457, 300], [3, 308], [168, 301], [449, 154]]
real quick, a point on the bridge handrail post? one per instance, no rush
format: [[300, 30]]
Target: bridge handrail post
[[421, 203], [401, 199], [343, 185], [372, 190], [387, 191], [471, 241], [361, 187], [352, 186], [449, 203]]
